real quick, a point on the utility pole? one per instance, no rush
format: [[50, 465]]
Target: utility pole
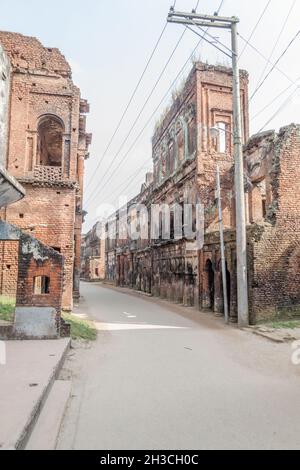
[[223, 262], [203, 23]]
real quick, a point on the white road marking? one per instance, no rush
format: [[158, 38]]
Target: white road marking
[[134, 326], [129, 315]]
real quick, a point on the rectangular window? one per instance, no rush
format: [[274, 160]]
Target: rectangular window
[[41, 285], [222, 137]]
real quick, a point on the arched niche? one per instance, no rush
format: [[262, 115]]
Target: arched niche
[[50, 132]]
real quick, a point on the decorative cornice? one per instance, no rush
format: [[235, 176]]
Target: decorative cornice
[[49, 184]]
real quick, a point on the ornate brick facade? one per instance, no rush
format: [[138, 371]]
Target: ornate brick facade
[[93, 255], [47, 145], [185, 156]]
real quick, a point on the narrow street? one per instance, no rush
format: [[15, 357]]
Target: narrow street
[[163, 377]]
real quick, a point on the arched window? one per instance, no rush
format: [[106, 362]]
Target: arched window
[[50, 141]]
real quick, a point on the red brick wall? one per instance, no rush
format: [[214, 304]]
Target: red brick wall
[[30, 259], [204, 100], [275, 289], [8, 267], [51, 268], [42, 85], [214, 104], [48, 215]]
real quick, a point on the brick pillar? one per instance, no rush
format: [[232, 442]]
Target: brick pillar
[[77, 263]]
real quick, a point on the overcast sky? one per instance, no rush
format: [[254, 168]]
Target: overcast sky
[[108, 43]]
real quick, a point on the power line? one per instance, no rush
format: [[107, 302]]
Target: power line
[[265, 58], [153, 113], [275, 64], [130, 182], [213, 38], [180, 72], [124, 189], [149, 119], [276, 42], [255, 27], [130, 101], [293, 82], [156, 109], [140, 113], [131, 98], [275, 99], [209, 42], [133, 177], [142, 108], [281, 107]]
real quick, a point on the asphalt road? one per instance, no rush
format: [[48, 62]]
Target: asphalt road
[[163, 377]]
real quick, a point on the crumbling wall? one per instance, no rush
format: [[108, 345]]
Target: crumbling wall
[[275, 288], [35, 259], [29, 54], [43, 94], [185, 158], [47, 213]]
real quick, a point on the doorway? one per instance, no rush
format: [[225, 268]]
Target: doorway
[[210, 283]]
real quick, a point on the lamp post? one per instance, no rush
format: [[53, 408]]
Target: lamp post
[[222, 247], [201, 21]]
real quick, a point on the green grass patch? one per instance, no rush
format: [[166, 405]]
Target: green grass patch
[[7, 308], [80, 329], [286, 324]]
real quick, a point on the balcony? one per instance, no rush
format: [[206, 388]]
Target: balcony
[[47, 173]]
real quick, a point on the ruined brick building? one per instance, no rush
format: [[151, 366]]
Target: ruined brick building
[[185, 156], [47, 146], [93, 255]]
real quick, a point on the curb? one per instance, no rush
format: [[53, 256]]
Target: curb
[[271, 335], [268, 336], [22, 440]]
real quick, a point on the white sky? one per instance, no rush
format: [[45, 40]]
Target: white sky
[[108, 43]]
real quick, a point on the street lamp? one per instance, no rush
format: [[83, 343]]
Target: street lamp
[[208, 21], [214, 132]]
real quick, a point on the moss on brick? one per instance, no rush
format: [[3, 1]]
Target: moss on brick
[[7, 308]]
